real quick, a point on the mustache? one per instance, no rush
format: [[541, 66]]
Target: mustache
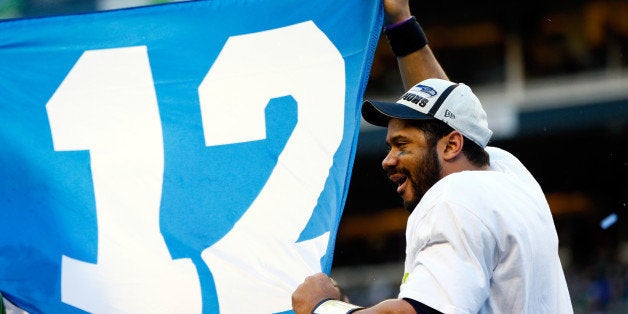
[[395, 171]]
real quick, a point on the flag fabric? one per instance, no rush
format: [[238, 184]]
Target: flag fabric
[[190, 157]]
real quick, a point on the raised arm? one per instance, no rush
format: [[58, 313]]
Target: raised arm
[[417, 65]]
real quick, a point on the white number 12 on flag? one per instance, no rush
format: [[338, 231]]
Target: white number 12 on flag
[[107, 104]]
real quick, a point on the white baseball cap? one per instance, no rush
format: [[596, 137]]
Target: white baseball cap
[[452, 103]]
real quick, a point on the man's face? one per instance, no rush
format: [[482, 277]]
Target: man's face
[[411, 162]]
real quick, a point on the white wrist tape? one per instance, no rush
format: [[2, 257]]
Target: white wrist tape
[[335, 307]]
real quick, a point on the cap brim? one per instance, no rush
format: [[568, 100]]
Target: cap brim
[[380, 112]]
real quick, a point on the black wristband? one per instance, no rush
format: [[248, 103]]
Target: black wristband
[[406, 38]]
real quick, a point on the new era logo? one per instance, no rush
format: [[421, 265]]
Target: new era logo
[[449, 114]]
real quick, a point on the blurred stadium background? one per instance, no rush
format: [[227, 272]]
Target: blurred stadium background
[[553, 77]]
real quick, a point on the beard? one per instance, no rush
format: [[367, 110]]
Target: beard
[[425, 174]]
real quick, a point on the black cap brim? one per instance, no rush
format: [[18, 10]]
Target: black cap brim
[[380, 112]]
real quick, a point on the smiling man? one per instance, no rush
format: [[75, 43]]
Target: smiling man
[[480, 237]]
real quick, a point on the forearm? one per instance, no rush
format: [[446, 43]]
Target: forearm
[[396, 306], [417, 65], [309, 295]]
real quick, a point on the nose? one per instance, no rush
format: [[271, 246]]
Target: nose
[[390, 161]]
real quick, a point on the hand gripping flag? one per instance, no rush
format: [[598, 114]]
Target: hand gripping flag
[[183, 158]]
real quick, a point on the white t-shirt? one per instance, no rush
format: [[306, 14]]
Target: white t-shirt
[[485, 242]]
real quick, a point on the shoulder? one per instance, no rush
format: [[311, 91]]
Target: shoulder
[[506, 163], [503, 161]]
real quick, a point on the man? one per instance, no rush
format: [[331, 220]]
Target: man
[[480, 237]]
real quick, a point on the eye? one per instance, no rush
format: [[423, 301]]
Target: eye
[[402, 145]]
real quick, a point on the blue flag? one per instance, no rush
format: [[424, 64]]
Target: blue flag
[[192, 157]]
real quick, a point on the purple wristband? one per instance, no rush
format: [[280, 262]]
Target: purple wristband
[[391, 26]]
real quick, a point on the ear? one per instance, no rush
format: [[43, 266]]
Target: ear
[[452, 145]]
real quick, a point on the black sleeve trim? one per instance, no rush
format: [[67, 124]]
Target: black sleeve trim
[[421, 308]]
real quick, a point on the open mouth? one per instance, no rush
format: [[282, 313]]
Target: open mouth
[[400, 180]]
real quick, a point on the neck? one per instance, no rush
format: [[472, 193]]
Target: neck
[[459, 165]]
